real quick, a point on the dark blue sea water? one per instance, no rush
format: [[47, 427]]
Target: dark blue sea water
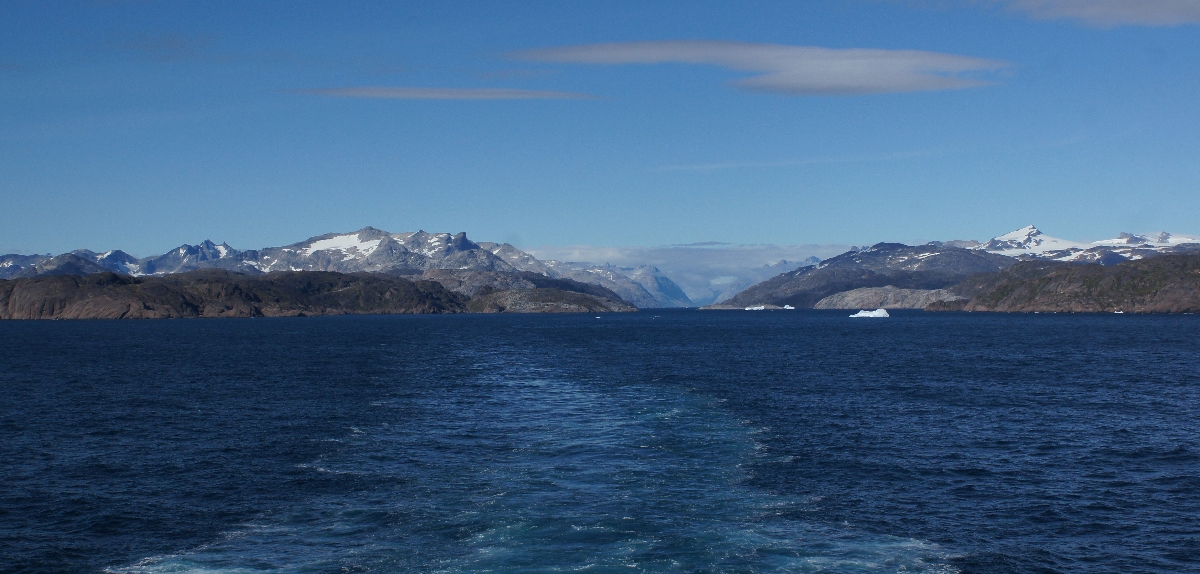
[[674, 441]]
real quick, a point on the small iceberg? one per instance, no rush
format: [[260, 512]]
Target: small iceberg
[[875, 313]]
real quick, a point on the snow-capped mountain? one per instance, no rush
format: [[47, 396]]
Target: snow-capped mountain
[[365, 250], [376, 251], [187, 258], [1027, 240], [115, 260], [1029, 243]]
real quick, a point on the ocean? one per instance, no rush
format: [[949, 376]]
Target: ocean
[[659, 441]]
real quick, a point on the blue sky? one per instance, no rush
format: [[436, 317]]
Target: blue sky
[[143, 125]]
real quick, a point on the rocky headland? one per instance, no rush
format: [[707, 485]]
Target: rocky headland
[[1163, 284], [924, 267], [887, 298]]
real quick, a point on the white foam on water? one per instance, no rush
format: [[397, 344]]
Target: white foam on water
[[518, 472]]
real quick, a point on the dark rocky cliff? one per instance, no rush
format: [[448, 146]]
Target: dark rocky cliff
[[217, 293]]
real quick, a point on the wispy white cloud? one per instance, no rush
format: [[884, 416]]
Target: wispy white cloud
[[169, 47], [799, 70], [398, 93], [1107, 13]]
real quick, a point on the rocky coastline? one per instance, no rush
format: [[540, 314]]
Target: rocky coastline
[[217, 293]]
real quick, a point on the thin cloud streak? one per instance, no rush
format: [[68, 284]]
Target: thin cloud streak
[[168, 47], [798, 162], [398, 93], [795, 70], [1109, 13]]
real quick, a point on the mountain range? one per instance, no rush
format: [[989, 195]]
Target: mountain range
[[1030, 244], [891, 274], [367, 250]]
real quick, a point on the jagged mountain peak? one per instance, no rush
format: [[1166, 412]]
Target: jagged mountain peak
[[519, 259], [115, 254], [208, 247], [1027, 232], [647, 270], [461, 243]]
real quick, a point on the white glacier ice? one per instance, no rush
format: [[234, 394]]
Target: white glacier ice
[[875, 313]]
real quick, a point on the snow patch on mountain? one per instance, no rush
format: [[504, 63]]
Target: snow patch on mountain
[[349, 244]]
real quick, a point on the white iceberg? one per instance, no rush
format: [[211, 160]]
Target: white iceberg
[[875, 313]]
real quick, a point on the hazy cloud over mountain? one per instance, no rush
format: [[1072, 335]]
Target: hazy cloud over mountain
[[708, 271], [800, 70]]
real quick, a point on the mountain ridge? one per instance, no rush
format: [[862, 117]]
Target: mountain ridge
[[923, 271], [1029, 243], [930, 266]]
